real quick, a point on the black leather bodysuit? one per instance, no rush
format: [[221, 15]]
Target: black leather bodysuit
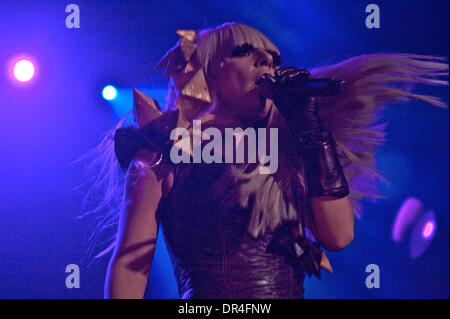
[[205, 225], [212, 253]]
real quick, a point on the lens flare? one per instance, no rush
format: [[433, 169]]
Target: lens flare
[[422, 234], [428, 229], [407, 215]]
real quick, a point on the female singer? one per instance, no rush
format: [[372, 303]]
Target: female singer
[[232, 231]]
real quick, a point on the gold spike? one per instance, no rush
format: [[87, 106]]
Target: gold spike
[[325, 262], [197, 88], [188, 68], [145, 109], [187, 48], [164, 60], [188, 34], [189, 109], [172, 67]]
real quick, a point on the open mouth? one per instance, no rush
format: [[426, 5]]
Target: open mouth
[[260, 79], [264, 84]]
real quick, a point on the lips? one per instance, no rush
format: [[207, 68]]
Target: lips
[[260, 78], [265, 82]]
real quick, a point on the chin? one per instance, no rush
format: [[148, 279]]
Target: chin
[[253, 111], [254, 100]]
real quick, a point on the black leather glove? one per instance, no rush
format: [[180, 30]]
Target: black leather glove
[[127, 141], [299, 110], [315, 145]]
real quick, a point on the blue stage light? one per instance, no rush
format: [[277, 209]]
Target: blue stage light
[[109, 92]]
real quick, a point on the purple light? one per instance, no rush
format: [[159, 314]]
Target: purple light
[[407, 215], [423, 233], [23, 70], [428, 229]]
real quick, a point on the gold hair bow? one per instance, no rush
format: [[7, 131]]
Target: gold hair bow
[[190, 92]]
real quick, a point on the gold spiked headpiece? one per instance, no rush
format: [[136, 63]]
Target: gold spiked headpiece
[[187, 79]]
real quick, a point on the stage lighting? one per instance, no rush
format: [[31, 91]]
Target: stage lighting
[[428, 230], [422, 234], [406, 216], [109, 92], [23, 70], [414, 221]]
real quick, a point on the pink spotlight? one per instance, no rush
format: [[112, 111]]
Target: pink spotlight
[[428, 229], [23, 70], [422, 234]]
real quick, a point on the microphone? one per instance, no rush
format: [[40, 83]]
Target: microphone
[[306, 87]]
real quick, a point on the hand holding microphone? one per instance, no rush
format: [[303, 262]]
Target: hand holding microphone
[[293, 93], [301, 82], [298, 108]]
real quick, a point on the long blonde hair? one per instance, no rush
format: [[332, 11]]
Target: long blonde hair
[[355, 120]]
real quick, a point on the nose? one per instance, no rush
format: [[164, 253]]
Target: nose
[[263, 59]]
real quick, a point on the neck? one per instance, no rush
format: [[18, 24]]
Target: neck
[[241, 120]]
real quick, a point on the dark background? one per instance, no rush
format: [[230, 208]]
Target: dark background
[[60, 115]]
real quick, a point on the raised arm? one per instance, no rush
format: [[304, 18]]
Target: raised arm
[[130, 264], [331, 219], [332, 222]]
